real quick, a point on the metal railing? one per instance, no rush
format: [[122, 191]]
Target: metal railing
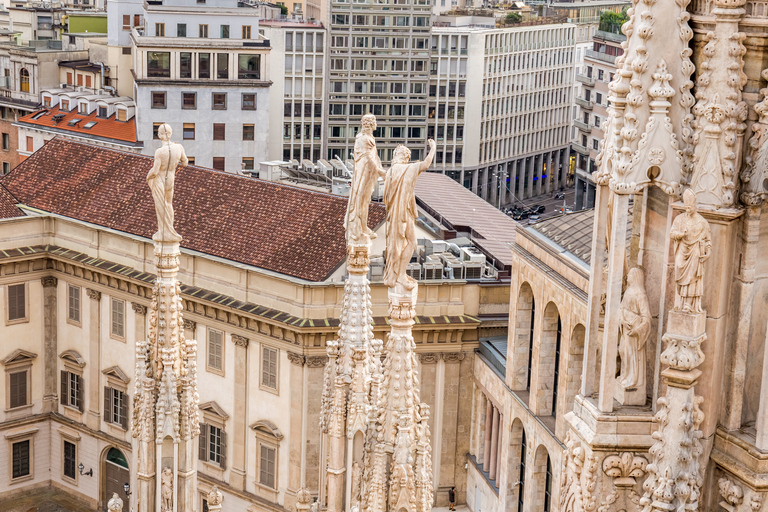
[[581, 125], [592, 54]]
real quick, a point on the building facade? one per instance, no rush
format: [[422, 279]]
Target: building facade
[[204, 70]]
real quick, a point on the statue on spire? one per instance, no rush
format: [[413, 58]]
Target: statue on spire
[[161, 179]]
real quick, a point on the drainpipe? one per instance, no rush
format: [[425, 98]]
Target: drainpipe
[[106, 87]]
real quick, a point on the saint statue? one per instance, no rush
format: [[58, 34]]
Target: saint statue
[[357, 472], [161, 181], [166, 490], [692, 245], [367, 171], [635, 329], [400, 199]]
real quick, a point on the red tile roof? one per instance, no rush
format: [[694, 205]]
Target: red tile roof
[[278, 227], [109, 128], [8, 204]]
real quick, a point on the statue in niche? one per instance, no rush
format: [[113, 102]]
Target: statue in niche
[[400, 199], [115, 504], [161, 179], [166, 489], [367, 171], [635, 329], [356, 474], [692, 245]]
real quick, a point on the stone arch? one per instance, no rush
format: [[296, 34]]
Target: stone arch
[[24, 80], [516, 467], [548, 363], [542, 481], [522, 342], [575, 366]]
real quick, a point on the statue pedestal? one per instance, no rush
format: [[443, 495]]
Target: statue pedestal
[[629, 396]]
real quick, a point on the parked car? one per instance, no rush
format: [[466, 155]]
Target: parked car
[[538, 208], [533, 219]]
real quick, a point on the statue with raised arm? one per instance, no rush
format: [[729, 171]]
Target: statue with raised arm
[[692, 245], [367, 171], [635, 329], [161, 179], [400, 199]]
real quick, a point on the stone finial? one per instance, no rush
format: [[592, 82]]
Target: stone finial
[[115, 504], [93, 294], [139, 309], [49, 281]]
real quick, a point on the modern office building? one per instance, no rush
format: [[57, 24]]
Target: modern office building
[[297, 128], [592, 110], [203, 70], [499, 107]]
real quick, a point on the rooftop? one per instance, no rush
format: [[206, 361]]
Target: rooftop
[[273, 226], [8, 208], [72, 122], [460, 209]]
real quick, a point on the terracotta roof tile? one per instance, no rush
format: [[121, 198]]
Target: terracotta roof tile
[[278, 227], [8, 203], [109, 128]]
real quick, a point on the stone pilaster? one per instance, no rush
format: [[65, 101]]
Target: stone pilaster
[[140, 315], [93, 417], [50, 343], [238, 471]]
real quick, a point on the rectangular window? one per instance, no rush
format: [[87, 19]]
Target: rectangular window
[[218, 163], [116, 407], [189, 100], [185, 65], [159, 64], [6, 168], [155, 130], [70, 460], [73, 305], [219, 101], [189, 131], [17, 302], [18, 389], [225, 32], [122, 114], [181, 30], [204, 65], [202, 31], [219, 131], [137, 20], [118, 318], [30, 144], [158, 100], [267, 466], [248, 67], [248, 132], [214, 444], [246, 32], [249, 102], [71, 390], [103, 112], [21, 459], [215, 350], [126, 22], [222, 66], [269, 367], [160, 29], [6, 142], [248, 163]]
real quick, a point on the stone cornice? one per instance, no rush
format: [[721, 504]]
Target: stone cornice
[[49, 281]]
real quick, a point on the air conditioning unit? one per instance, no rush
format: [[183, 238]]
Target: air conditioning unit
[[472, 254], [453, 266], [433, 268], [473, 270], [414, 270], [436, 246], [376, 269]]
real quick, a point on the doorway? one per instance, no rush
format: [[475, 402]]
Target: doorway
[[116, 476]]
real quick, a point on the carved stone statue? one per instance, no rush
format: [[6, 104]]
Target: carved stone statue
[[635, 328], [161, 179], [356, 474], [692, 243], [400, 199], [115, 504], [166, 490], [315, 506], [367, 170]]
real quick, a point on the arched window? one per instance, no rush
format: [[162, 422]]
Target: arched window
[[548, 487], [530, 345], [24, 80], [557, 366], [521, 491]]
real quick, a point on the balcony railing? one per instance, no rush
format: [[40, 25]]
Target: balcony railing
[[579, 148], [586, 80], [585, 104], [581, 125], [592, 54]]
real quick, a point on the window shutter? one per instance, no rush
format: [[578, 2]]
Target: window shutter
[[124, 410], [203, 450], [80, 401], [108, 405], [223, 447], [63, 398]]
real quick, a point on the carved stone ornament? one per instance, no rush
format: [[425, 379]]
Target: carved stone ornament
[[754, 175], [49, 281], [453, 357], [190, 325], [692, 246], [214, 497], [756, 502], [139, 309], [303, 496], [682, 352], [240, 341], [93, 294], [625, 468], [733, 494], [648, 129], [295, 358], [315, 361], [115, 504], [430, 357]]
